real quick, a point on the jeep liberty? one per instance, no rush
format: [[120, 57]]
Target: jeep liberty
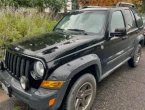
[[60, 70]]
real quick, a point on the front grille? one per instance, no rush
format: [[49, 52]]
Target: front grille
[[17, 65]]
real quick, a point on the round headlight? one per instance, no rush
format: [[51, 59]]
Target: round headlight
[[39, 69], [24, 82]]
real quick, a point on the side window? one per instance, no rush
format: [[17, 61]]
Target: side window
[[117, 21], [130, 19], [138, 20]]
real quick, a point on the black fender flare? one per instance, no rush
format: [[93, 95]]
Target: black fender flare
[[136, 42], [139, 39], [67, 71]]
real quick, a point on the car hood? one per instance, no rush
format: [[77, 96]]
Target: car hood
[[54, 45]]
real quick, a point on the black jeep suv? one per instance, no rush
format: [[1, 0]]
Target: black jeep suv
[[61, 69]]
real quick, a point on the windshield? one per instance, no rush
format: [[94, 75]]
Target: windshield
[[88, 21]]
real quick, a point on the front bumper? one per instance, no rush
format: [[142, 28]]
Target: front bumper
[[35, 98]]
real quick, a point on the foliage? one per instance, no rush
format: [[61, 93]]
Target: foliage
[[141, 8], [54, 5], [17, 25], [16, 3], [17, 108]]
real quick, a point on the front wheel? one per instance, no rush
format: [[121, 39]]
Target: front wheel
[[82, 94], [134, 61]]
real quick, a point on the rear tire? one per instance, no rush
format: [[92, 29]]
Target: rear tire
[[134, 61], [82, 94]]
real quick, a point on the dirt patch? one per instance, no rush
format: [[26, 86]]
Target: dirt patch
[[3, 96], [7, 103], [13, 104]]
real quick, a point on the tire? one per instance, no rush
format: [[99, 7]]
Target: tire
[[77, 99], [134, 61]]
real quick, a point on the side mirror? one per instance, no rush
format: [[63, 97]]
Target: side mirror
[[118, 32]]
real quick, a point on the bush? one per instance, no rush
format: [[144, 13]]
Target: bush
[[54, 5], [17, 25]]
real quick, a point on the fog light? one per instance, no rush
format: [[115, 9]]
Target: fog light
[[24, 82]]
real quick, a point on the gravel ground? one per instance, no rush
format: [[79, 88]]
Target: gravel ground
[[124, 89]]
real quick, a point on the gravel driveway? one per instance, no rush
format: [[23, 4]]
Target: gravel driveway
[[124, 89]]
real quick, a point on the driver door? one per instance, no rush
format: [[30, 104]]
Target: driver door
[[115, 48]]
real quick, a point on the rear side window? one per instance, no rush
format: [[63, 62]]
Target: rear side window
[[117, 21], [138, 20], [130, 20]]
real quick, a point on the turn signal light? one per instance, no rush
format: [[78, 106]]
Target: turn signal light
[[51, 102], [52, 84]]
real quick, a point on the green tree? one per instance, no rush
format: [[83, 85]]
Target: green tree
[[23, 3], [16, 3], [54, 5], [143, 5]]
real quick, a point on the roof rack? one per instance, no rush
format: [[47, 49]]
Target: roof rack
[[91, 7], [125, 4]]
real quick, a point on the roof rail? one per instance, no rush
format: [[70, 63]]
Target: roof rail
[[91, 7], [125, 4]]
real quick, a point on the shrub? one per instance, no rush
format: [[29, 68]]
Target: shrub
[[17, 25], [54, 5]]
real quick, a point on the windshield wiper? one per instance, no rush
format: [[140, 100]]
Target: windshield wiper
[[79, 30], [59, 29]]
